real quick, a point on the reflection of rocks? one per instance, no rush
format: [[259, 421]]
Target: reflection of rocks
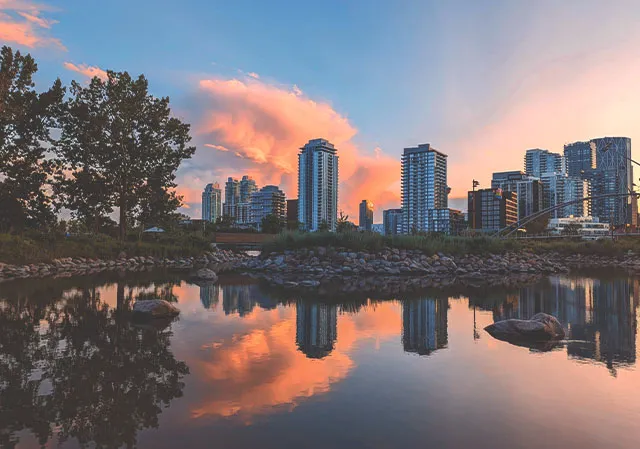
[[206, 274], [424, 325], [540, 328], [316, 328]]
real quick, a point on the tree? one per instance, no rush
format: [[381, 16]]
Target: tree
[[25, 119], [129, 143], [538, 225], [271, 224], [343, 224], [323, 226], [572, 229]]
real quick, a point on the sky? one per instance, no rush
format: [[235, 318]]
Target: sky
[[481, 81]]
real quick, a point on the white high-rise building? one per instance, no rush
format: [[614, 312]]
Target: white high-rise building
[[212, 202], [318, 185], [424, 187]]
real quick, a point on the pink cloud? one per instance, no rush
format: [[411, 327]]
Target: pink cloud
[[21, 23], [216, 147], [265, 125], [86, 70], [253, 75]]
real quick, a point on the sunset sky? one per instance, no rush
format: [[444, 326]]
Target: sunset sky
[[481, 81]]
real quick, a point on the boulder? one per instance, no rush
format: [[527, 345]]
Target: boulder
[[206, 274], [541, 327], [155, 308]]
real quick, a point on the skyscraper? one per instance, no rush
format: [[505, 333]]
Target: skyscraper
[[231, 197], [269, 200], [366, 215], [538, 162], [243, 208], [580, 159], [211, 202], [318, 185], [316, 328], [424, 325], [613, 176], [392, 221], [424, 186]]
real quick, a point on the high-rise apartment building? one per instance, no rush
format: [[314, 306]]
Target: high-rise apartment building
[[613, 176], [269, 200], [424, 325], [492, 209], [560, 188], [392, 221], [424, 186], [316, 328], [212, 202], [292, 214], [538, 162], [366, 215], [580, 159], [246, 188], [528, 188], [231, 197], [318, 185]]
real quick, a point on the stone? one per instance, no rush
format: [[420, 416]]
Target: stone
[[206, 274], [155, 308], [540, 327]]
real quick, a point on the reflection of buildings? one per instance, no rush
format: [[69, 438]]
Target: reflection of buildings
[[599, 314], [316, 328], [209, 295], [424, 325], [241, 299]]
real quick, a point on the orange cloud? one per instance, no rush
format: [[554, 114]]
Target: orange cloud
[[264, 125], [216, 147], [21, 23], [86, 70]]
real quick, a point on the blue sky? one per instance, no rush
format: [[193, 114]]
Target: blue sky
[[480, 80]]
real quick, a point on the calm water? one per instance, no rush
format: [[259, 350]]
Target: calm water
[[245, 367]]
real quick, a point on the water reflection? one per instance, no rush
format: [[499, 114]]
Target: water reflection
[[424, 325], [316, 328], [599, 314]]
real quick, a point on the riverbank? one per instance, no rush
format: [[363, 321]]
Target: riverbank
[[219, 260]]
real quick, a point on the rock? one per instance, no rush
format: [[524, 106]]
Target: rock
[[155, 308], [206, 274], [540, 327]]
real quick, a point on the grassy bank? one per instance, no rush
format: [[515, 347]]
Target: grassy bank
[[358, 241], [35, 248]]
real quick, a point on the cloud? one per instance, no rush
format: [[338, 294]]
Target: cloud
[[216, 147], [21, 22], [264, 125], [86, 70], [253, 75]]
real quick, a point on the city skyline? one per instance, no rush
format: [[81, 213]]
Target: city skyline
[[251, 104]]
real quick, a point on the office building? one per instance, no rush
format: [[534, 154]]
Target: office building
[[316, 328], [613, 176], [366, 215], [528, 188], [269, 200], [424, 186], [492, 209], [318, 185], [212, 202], [231, 197], [392, 221], [538, 162]]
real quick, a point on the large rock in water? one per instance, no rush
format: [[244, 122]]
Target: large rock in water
[[541, 327], [155, 308], [206, 274]]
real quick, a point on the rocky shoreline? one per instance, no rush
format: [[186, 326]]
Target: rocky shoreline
[[221, 260], [394, 270]]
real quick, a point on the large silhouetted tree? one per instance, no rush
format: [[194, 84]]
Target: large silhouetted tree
[[129, 143], [26, 117]]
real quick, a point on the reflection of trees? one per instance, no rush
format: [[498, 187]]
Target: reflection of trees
[[85, 370]]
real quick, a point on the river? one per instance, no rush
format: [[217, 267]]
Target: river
[[245, 366]]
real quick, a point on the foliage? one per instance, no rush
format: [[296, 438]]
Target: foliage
[[323, 227], [572, 229], [25, 119], [343, 224], [39, 247], [435, 243], [538, 225], [122, 148], [271, 224]]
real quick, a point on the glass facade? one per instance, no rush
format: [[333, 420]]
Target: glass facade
[[318, 185], [212, 202]]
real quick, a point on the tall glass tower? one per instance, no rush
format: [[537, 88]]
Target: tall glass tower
[[318, 185], [424, 186], [211, 202]]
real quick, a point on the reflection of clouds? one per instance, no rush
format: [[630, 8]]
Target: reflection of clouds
[[252, 372]]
